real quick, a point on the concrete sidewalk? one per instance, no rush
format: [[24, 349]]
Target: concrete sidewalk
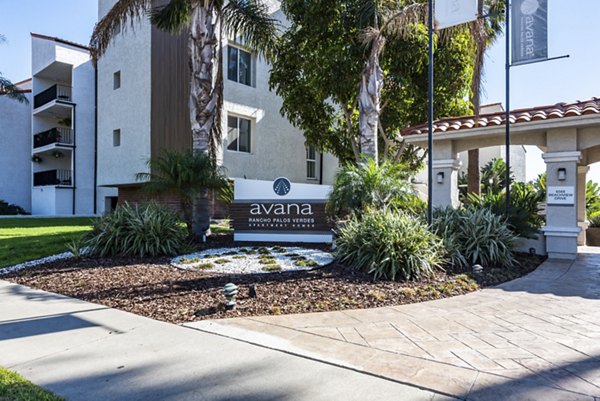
[[87, 352], [536, 338]]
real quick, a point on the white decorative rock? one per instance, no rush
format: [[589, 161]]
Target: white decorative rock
[[247, 260]]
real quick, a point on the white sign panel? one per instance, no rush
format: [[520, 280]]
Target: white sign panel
[[561, 196], [280, 188], [454, 12]]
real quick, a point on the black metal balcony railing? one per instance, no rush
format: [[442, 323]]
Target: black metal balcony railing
[[55, 92], [52, 177], [59, 135]]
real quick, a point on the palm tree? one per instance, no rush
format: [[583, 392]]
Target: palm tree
[[391, 20], [387, 21], [7, 88], [207, 22], [187, 175], [484, 31]]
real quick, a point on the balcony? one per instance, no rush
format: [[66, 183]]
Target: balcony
[[55, 92], [53, 178], [57, 135]]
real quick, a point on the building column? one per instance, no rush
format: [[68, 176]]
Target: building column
[[562, 199], [581, 200], [445, 183]]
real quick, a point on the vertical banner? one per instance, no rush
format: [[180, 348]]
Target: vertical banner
[[454, 12], [529, 31]]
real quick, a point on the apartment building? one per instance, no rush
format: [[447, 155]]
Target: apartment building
[[143, 89], [15, 154], [51, 166]]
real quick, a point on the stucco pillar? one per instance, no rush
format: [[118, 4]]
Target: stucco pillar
[[581, 199], [562, 230], [445, 182]]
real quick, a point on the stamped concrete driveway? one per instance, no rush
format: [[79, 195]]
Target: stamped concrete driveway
[[536, 338]]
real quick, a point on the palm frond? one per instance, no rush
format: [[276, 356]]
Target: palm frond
[[250, 20], [2, 38], [399, 23], [184, 173], [8, 89], [172, 17], [115, 21]]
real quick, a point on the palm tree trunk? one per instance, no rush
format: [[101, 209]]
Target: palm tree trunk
[[480, 37], [205, 95], [369, 99]]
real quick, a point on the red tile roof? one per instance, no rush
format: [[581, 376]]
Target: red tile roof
[[560, 110]]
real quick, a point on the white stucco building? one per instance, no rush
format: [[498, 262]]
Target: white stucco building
[[15, 159], [50, 169], [143, 90]]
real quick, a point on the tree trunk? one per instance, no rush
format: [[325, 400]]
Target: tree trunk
[[201, 225], [369, 100], [205, 96], [473, 175], [480, 37]]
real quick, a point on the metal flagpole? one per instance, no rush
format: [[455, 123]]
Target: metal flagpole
[[507, 133], [430, 122]]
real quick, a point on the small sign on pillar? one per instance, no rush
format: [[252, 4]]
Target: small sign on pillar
[[561, 196]]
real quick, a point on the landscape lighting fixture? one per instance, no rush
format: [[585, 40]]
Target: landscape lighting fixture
[[562, 174], [440, 177]]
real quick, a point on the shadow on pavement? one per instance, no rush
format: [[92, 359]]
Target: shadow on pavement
[[578, 380]]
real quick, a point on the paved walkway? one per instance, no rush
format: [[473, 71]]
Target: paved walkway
[[87, 352], [536, 338]]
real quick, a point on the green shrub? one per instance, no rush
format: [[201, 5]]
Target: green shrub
[[390, 244], [594, 220], [368, 184], [592, 198], [138, 230], [523, 214], [474, 236], [7, 209]]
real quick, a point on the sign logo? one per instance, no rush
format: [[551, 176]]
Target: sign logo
[[282, 186], [529, 7]]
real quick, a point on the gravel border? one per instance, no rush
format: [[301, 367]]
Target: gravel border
[[253, 260], [36, 262]]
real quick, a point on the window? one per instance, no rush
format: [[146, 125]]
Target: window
[[117, 80], [238, 134], [311, 162], [239, 66], [117, 137]]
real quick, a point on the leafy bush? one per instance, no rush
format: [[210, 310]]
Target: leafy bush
[[188, 175], [138, 230], [389, 243], [368, 184], [523, 215], [474, 236], [227, 193], [493, 176], [592, 198], [7, 209], [594, 220]]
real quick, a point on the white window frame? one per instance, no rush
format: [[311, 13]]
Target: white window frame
[[311, 161], [250, 134], [237, 63]]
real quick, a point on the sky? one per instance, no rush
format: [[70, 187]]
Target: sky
[[572, 30]]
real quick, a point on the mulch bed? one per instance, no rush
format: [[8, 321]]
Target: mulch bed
[[152, 288]]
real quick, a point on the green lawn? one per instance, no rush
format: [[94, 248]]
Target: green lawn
[[15, 388], [33, 238]]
